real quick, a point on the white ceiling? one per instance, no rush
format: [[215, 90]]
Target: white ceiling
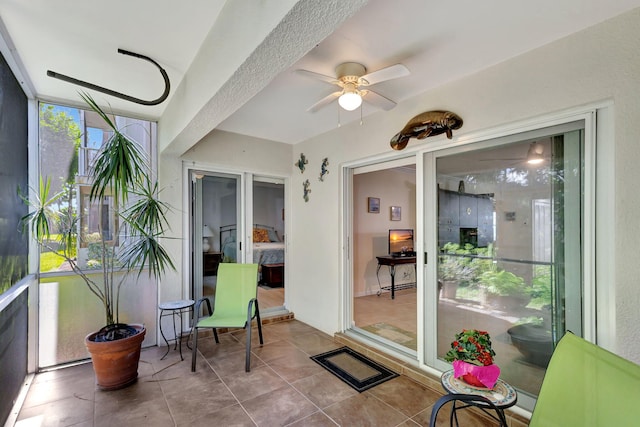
[[438, 41]]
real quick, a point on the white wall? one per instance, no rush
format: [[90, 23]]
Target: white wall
[[597, 64]]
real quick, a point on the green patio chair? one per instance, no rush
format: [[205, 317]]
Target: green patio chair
[[585, 385], [235, 306]]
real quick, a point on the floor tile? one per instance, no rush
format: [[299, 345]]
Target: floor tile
[[405, 395], [154, 412], [275, 350], [314, 343], [62, 412], [279, 407], [234, 416], [142, 394], [247, 385], [317, 419], [191, 402], [364, 410], [324, 389], [295, 366], [81, 385], [233, 363]]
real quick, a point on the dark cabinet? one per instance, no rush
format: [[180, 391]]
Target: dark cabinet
[[465, 218], [273, 274], [210, 263], [468, 211], [485, 221], [448, 233], [448, 208]]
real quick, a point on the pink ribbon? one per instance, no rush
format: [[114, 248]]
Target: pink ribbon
[[487, 375]]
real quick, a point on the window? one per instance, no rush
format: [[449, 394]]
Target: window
[[69, 140]]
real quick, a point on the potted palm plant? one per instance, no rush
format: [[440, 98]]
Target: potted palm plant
[[121, 173]]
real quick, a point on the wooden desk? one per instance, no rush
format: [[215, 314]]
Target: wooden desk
[[391, 262]]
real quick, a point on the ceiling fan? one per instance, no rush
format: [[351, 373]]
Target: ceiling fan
[[351, 78]]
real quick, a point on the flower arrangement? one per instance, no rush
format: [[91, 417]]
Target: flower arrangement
[[471, 346], [472, 358]]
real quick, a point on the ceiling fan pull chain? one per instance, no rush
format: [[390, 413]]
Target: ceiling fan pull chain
[[165, 94]]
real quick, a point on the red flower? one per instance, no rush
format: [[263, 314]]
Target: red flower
[[471, 346]]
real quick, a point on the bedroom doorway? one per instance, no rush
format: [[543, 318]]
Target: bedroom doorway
[[267, 249], [228, 209]]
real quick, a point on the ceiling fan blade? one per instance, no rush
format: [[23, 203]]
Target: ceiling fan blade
[[324, 101], [388, 73], [378, 100], [317, 76]]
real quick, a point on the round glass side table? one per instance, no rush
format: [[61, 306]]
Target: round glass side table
[[175, 309]]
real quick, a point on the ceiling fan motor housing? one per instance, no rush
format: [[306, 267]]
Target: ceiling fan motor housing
[[350, 71]]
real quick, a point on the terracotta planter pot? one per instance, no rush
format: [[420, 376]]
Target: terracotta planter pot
[[116, 362]]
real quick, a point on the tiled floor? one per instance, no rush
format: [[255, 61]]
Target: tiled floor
[[284, 387], [401, 312]]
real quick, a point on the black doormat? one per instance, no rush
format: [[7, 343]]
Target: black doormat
[[353, 368]]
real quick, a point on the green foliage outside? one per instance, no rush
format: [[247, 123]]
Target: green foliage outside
[[60, 140], [475, 271]]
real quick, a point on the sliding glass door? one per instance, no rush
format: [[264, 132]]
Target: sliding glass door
[[384, 280], [216, 227], [509, 246], [238, 218]]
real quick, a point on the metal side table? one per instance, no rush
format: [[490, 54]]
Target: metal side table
[[502, 395], [175, 309]]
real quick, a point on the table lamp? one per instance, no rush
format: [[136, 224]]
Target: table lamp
[[206, 233]]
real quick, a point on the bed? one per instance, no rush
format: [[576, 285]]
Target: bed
[[268, 247]]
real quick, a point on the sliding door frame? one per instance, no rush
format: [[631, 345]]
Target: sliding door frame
[[599, 320]]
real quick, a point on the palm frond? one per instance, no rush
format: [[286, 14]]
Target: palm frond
[[146, 251], [120, 164], [39, 219], [147, 212]]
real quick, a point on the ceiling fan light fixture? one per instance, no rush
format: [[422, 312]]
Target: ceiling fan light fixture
[[350, 100], [534, 155]]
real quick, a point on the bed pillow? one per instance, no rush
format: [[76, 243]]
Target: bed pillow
[[273, 235], [260, 235]]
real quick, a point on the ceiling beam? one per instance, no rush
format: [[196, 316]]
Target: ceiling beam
[[256, 49]]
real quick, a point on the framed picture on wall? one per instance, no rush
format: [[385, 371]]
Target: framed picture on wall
[[396, 213], [373, 205]]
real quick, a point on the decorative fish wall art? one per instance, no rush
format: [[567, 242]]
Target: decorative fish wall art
[[429, 123]]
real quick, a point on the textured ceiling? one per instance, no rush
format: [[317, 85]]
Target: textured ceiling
[[232, 64]]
